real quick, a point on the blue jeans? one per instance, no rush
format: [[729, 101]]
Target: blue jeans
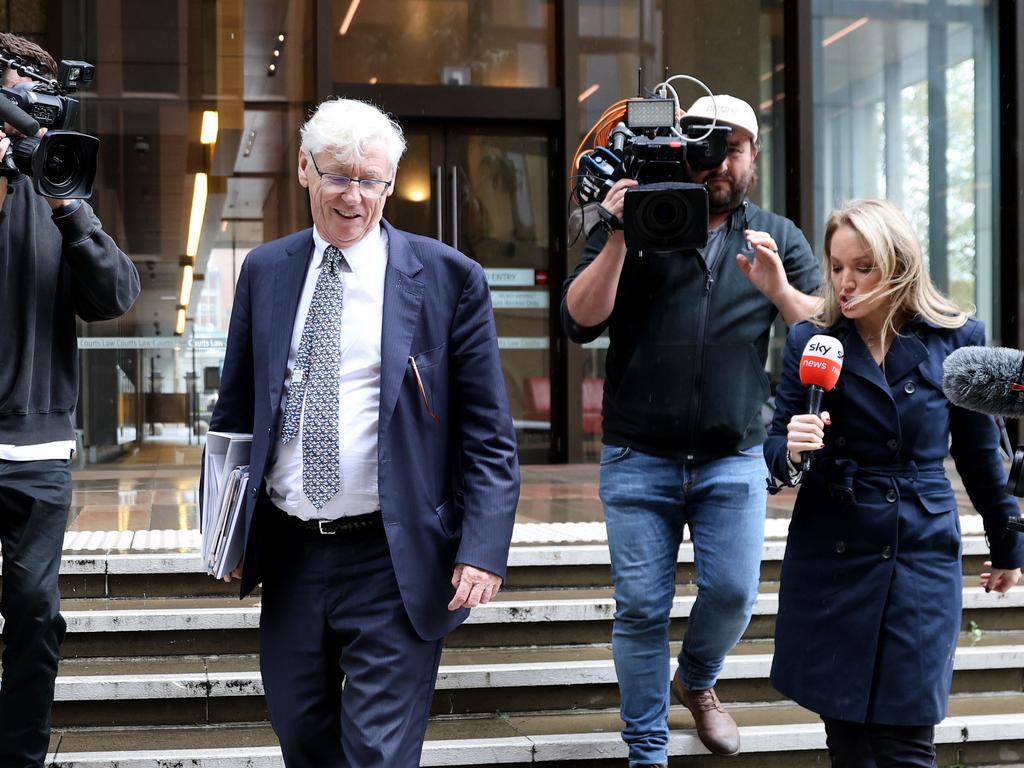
[[647, 501]]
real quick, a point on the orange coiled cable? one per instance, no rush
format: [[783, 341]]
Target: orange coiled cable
[[600, 133]]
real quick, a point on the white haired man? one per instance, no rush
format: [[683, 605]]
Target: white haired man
[[383, 475]]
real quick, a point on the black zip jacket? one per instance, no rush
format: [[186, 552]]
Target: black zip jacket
[[54, 264], [685, 372]]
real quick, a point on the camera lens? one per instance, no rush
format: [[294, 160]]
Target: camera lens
[[663, 214], [62, 166]]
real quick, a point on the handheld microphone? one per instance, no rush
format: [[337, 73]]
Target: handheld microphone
[[820, 366], [21, 120], [989, 380]]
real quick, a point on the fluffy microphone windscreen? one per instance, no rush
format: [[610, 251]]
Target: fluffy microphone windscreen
[[981, 379]]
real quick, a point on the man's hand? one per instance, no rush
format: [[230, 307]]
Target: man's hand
[[614, 201], [999, 579], [236, 572], [473, 587], [766, 271]]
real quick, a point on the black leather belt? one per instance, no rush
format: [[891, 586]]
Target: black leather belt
[[357, 524]]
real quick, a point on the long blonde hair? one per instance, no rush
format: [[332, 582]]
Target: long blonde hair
[[894, 248]]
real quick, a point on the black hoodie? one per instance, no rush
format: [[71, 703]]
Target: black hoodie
[[54, 264]]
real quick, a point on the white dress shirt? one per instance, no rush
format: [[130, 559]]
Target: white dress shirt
[[358, 386]]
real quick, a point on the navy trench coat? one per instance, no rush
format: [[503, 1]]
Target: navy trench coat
[[870, 599]]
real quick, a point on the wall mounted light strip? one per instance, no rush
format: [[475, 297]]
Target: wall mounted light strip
[[347, 21], [208, 131], [186, 285], [195, 220]]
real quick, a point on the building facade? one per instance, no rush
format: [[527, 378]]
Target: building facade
[[197, 105]]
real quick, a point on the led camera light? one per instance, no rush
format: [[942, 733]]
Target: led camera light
[[650, 113]]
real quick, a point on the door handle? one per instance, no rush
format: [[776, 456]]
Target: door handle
[[455, 207], [439, 181]]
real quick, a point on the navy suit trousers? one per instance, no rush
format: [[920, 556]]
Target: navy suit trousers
[[348, 681]]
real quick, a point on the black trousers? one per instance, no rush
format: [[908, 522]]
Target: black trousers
[[872, 745], [348, 681], [34, 501]]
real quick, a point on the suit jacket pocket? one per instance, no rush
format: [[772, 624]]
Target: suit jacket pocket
[[430, 357], [451, 521]]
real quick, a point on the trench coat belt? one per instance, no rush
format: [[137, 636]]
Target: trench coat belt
[[841, 474]]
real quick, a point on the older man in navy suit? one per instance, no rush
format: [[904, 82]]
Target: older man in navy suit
[[383, 476]]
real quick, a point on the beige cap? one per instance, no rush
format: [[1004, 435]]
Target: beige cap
[[730, 110]]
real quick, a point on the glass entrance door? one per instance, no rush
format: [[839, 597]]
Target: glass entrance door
[[487, 194]]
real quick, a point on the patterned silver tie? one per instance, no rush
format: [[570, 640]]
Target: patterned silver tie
[[315, 383]]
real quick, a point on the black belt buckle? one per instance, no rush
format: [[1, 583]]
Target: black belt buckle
[[842, 492]]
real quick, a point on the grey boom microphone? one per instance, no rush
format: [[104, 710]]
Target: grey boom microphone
[[11, 113], [985, 379]]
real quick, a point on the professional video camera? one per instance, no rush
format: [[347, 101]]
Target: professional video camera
[[61, 163], [663, 213]]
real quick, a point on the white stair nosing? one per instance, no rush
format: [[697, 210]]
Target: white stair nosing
[[793, 737], [497, 612], [537, 554], [455, 677]]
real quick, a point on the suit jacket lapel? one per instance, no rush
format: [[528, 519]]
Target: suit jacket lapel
[[403, 300], [289, 277]]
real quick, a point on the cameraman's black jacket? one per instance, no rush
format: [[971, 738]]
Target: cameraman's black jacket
[[685, 369], [54, 264]]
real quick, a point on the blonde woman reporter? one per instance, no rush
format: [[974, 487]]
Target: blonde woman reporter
[[870, 600]]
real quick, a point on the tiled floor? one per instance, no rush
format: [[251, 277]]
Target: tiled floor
[[155, 489]]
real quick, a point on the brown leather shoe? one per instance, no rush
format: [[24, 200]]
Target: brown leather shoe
[[715, 727]]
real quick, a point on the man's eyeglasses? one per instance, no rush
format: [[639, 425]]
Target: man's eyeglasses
[[367, 187]]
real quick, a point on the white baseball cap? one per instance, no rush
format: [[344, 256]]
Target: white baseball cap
[[728, 109]]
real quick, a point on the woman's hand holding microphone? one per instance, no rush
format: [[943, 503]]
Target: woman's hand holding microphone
[[805, 434]]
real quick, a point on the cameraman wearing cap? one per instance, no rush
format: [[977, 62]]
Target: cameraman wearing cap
[[56, 263], [685, 382]]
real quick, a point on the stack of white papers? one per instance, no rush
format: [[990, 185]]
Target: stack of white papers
[[221, 518]]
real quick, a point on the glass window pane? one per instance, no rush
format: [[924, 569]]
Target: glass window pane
[[506, 43], [902, 110]]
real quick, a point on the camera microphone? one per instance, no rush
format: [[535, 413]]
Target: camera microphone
[[620, 134], [19, 119], [985, 379], [820, 366]]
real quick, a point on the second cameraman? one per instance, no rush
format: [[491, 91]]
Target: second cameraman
[[685, 382], [56, 262]]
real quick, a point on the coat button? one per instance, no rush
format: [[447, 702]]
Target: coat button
[[841, 442], [892, 443], [886, 552], [909, 387], [890, 495], [840, 547], [269, 429], [253, 491]]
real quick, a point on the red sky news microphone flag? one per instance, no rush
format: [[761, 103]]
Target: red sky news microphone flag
[[820, 366]]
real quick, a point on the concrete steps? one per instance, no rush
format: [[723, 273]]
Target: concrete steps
[[152, 678], [772, 734]]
